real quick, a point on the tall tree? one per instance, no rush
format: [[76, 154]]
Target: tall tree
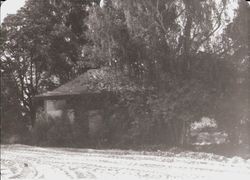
[[173, 44], [162, 36], [234, 47], [43, 46]]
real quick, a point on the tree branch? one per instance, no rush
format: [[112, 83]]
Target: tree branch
[[213, 31]]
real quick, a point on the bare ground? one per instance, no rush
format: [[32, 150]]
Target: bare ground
[[28, 162]]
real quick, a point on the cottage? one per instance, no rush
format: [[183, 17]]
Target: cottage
[[82, 101]]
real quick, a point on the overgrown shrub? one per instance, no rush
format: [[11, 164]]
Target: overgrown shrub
[[176, 108], [14, 127], [60, 133], [57, 132], [159, 118]]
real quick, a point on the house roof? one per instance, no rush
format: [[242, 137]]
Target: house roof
[[94, 81]]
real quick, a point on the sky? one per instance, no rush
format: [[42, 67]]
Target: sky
[[10, 7]]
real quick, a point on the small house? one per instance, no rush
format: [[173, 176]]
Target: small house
[[82, 101]]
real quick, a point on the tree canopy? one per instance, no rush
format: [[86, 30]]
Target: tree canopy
[[43, 46]]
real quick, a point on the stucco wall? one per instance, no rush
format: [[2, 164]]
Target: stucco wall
[[55, 108], [96, 125], [79, 113]]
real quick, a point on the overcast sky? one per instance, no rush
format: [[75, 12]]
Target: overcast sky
[[10, 7]]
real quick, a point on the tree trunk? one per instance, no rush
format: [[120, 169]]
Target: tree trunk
[[186, 64]]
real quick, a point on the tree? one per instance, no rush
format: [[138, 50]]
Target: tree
[[155, 37], [235, 99], [43, 46], [10, 108], [171, 44]]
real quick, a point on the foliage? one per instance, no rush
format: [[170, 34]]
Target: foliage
[[58, 132], [147, 117], [127, 123], [111, 80], [233, 105], [42, 48], [12, 121], [170, 45], [150, 38]]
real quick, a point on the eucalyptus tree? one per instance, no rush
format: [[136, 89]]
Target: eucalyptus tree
[[164, 34], [167, 44]]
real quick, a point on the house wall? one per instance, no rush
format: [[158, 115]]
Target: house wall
[[90, 115], [96, 124], [55, 108], [85, 114]]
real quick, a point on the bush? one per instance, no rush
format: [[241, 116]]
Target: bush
[[60, 133], [57, 132], [151, 118], [14, 130]]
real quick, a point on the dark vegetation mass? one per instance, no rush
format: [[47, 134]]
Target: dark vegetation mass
[[190, 56]]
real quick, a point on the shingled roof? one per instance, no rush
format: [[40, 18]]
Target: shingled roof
[[94, 81]]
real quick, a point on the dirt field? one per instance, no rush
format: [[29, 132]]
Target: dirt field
[[27, 162]]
